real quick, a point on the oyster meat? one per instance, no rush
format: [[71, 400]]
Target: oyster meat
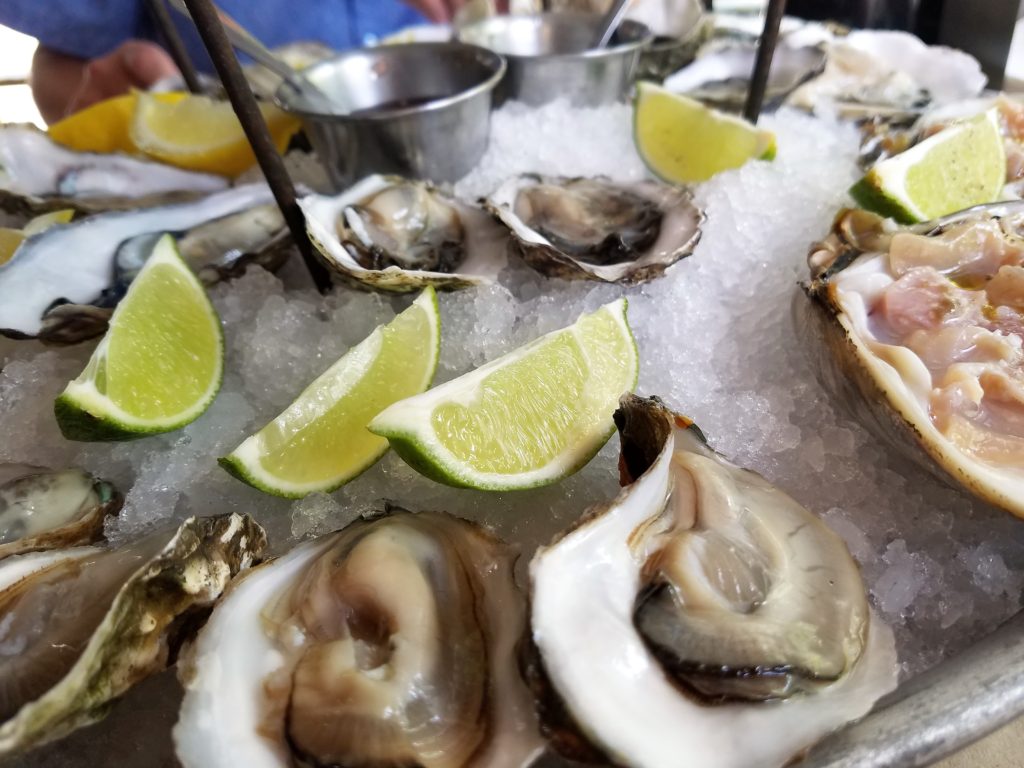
[[875, 72], [596, 229], [81, 626], [720, 75], [39, 175], [63, 284], [390, 642], [45, 509], [921, 329], [395, 234], [712, 603]]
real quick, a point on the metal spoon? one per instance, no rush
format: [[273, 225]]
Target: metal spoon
[[610, 23], [244, 41]]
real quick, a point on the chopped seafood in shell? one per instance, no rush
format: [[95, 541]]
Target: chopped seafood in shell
[[712, 603], [38, 175], [393, 234], [64, 283], [82, 625], [46, 509], [597, 229], [390, 642], [920, 330]]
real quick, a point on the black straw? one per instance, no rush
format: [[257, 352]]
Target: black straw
[[175, 45], [245, 106], [765, 51]]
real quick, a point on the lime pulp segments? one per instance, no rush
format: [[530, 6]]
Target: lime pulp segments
[[683, 141], [320, 441], [527, 419], [960, 166], [159, 365]]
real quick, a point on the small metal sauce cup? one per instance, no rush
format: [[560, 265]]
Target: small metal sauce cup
[[549, 56], [420, 110]]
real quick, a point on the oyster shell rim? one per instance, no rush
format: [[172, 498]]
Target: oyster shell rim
[[333, 251], [105, 670], [844, 366], [544, 257]]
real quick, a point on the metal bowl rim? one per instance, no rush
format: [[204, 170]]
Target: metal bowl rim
[[488, 57], [645, 36]]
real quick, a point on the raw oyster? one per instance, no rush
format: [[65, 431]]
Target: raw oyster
[[64, 283], [45, 509], [395, 234], [720, 75], [596, 229], [872, 72], [920, 329], [390, 642], [712, 605], [81, 626], [39, 175]]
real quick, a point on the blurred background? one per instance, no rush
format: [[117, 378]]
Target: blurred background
[[991, 30]]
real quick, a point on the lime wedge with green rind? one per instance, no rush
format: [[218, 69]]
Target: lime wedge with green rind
[[159, 365], [527, 419], [320, 441], [961, 166], [683, 141]]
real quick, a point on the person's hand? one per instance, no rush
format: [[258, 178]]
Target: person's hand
[[133, 64], [438, 11]]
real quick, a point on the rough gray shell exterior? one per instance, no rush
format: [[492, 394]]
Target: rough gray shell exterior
[[135, 638]]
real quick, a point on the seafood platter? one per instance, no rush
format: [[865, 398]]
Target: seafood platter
[[595, 454]]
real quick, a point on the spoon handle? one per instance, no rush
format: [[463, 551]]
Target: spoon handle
[[243, 40], [609, 23]]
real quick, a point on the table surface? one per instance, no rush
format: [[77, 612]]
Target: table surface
[[1002, 749]]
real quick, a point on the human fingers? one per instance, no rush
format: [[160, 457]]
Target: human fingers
[[133, 64], [145, 63]]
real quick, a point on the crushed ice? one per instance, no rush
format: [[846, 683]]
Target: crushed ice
[[716, 342]]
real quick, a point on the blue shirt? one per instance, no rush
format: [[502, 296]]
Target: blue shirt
[[91, 28]]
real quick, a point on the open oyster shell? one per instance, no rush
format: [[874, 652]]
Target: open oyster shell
[[38, 175], [62, 285], [88, 623], [390, 642], [871, 73], [720, 75], [46, 509], [919, 330], [597, 229], [712, 604], [393, 234]]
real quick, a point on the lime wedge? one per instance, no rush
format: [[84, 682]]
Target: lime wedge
[[159, 366], [320, 441], [958, 167], [683, 141], [529, 418]]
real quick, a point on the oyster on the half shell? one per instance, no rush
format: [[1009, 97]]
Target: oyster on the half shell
[[394, 234], [597, 229], [63, 284], [390, 642], [712, 604], [39, 175], [872, 73], [46, 509], [919, 329], [81, 626]]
